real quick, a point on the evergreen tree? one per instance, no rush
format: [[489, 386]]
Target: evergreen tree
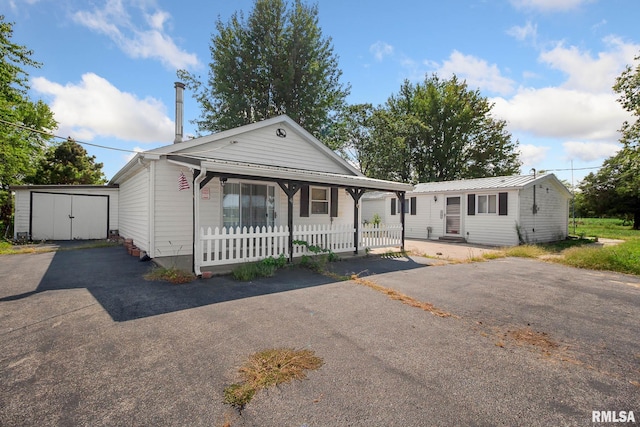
[[68, 163], [276, 61]]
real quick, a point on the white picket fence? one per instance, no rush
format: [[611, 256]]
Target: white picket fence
[[220, 246], [380, 235]]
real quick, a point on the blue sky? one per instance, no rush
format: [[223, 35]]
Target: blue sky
[[548, 65]]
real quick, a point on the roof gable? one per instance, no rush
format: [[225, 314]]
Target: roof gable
[[278, 142]]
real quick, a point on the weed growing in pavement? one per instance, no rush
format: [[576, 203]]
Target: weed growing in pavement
[[269, 368], [171, 274], [398, 296], [265, 268]]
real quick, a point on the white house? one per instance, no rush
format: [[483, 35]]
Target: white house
[[235, 196], [499, 211]]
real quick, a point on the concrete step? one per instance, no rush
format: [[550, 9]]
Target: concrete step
[[453, 239]]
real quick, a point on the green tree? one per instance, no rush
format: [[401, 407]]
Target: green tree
[[22, 121], [628, 87], [68, 163], [435, 131], [276, 61], [615, 189]]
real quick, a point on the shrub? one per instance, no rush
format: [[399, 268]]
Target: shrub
[[265, 268]]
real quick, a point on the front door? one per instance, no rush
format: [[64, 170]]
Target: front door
[[452, 216]]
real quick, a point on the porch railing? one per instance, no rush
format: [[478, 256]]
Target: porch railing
[[222, 245]]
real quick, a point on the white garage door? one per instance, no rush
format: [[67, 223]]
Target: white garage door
[[68, 216]]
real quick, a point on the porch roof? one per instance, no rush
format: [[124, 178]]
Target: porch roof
[[275, 173]]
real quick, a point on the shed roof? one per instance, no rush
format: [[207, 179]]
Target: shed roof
[[492, 183]]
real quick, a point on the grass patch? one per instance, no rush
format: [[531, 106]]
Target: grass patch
[[8, 248], [247, 272], [270, 368], [623, 258], [172, 275], [608, 228], [525, 251]]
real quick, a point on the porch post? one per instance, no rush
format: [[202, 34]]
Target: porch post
[[400, 195], [290, 189], [356, 194], [196, 257]]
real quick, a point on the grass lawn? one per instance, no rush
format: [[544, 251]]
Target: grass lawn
[[580, 251]]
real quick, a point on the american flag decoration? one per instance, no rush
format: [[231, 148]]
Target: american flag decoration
[[183, 183]]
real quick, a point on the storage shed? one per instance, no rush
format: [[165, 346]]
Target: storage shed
[[65, 212]]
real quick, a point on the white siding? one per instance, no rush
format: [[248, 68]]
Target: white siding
[[211, 210], [372, 207], [21, 210], [427, 215], [173, 211], [345, 210], [264, 147], [492, 229], [134, 209], [550, 223]]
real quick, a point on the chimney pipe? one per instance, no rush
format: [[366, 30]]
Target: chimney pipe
[[179, 111]]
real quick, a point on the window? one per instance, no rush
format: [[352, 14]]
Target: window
[[409, 206], [487, 204], [248, 205], [319, 201]]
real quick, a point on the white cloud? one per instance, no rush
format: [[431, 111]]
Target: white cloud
[[562, 113], [153, 42], [528, 31], [586, 72], [583, 107], [590, 151], [380, 49], [532, 155], [96, 108], [477, 72], [127, 158], [549, 5]]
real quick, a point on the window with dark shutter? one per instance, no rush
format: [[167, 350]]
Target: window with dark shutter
[[304, 201], [334, 202], [471, 204], [393, 206], [503, 199], [413, 205]]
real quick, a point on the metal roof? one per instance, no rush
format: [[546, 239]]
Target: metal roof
[[279, 173], [493, 183]]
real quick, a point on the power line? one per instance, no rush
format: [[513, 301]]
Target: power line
[[572, 169], [65, 138]]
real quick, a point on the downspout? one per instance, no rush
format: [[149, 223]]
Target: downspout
[[402, 219], [152, 203], [197, 256]]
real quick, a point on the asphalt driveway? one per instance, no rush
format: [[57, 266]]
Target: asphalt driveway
[[85, 340]]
